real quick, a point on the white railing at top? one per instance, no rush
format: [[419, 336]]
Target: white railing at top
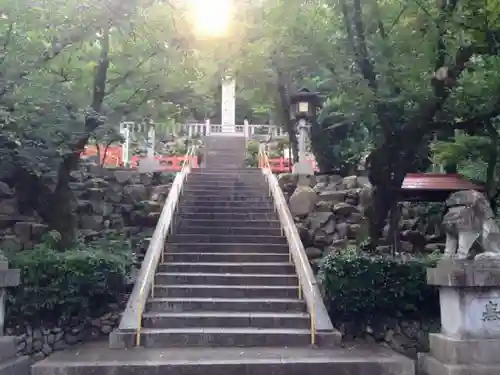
[[308, 288], [132, 316]]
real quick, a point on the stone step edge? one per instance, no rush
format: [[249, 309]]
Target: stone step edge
[[226, 314], [229, 235], [218, 274], [228, 264], [224, 254], [185, 226], [120, 339], [228, 221], [261, 207], [225, 300], [224, 210], [231, 244], [217, 286], [199, 188]]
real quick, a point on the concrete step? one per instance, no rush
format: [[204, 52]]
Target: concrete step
[[219, 238], [217, 257], [8, 348], [98, 359], [229, 159], [240, 173], [227, 230], [190, 188], [262, 320], [225, 291], [214, 186], [16, 366], [232, 179], [195, 209], [231, 268], [225, 204], [240, 216], [227, 337], [225, 198], [228, 248], [225, 304], [214, 223], [224, 279], [227, 171]]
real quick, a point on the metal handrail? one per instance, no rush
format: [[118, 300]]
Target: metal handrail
[[132, 316], [308, 288]]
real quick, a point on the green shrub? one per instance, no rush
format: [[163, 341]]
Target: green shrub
[[359, 286], [252, 158], [58, 286]]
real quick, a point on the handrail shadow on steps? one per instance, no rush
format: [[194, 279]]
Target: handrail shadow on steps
[[131, 320]]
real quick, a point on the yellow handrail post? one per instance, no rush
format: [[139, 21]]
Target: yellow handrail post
[[297, 254], [153, 288], [165, 228], [313, 326], [138, 333]]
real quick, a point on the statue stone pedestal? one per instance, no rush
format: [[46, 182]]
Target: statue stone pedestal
[[469, 342], [10, 363]]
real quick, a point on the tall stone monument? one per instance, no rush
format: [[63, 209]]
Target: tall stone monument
[[10, 363], [228, 109]]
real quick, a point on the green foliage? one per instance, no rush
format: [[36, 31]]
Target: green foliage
[[462, 147], [358, 286], [252, 158], [80, 282], [469, 153]]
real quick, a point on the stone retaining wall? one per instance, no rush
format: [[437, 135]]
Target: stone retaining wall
[[39, 342], [329, 212], [407, 337], [107, 201]]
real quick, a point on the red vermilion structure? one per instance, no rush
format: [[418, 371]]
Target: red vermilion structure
[[113, 158], [282, 165], [434, 186]]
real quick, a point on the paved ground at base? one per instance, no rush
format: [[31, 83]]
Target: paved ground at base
[[97, 358]]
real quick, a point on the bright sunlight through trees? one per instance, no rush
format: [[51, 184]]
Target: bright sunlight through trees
[[211, 17]]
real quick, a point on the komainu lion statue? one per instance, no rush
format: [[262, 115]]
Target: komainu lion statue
[[470, 226]]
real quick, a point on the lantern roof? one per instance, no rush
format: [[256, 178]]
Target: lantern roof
[[304, 94]]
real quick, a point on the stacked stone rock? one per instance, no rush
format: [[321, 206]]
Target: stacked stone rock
[[39, 342], [330, 214], [108, 201]]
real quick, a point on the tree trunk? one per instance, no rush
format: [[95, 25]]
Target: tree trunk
[[62, 216], [491, 186], [284, 103], [386, 172]]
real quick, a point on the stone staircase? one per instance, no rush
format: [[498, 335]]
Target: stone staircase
[[226, 296], [225, 153], [227, 279]]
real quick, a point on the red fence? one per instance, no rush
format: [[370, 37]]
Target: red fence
[[113, 158], [168, 163], [282, 165]]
